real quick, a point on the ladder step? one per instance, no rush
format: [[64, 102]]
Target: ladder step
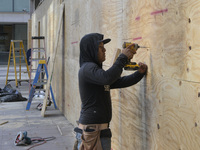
[[38, 48], [16, 40], [19, 56], [42, 80], [36, 59], [18, 80], [40, 83], [22, 71], [37, 51], [18, 48], [22, 64], [40, 71], [37, 37], [39, 94], [18, 53], [43, 90], [13, 71], [34, 70]]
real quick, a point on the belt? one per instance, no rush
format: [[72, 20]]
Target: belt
[[93, 126]]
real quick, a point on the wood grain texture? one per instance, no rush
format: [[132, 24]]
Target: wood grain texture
[[161, 112], [111, 27], [29, 33], [180, 113]]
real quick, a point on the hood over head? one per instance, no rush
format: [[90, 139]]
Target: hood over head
[[89, 47]]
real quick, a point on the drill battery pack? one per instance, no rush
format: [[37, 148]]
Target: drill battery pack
[[131, 66]]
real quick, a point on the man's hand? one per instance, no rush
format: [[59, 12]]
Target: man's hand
[[143, 68], [128, 52]]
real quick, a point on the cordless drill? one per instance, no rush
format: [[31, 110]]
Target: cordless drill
[[131, 65]]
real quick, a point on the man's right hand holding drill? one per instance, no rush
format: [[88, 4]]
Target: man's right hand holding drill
[[130, 53]]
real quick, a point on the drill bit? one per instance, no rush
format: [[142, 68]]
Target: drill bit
[[143, 47]]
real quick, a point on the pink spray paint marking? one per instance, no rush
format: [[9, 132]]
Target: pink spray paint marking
[[138, 38], [137, 18], [159, 11], [74, 42]]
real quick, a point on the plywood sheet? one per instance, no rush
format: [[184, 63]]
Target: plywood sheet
[[180, 115], [162, 111]]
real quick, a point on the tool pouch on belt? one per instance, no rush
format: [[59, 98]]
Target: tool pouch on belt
[[91, 138]]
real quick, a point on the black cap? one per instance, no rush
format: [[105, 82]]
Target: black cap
[[105, 41]]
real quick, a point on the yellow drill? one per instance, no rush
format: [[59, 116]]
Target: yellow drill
[[132, 65]]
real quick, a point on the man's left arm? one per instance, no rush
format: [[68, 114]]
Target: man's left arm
[[132, 79]]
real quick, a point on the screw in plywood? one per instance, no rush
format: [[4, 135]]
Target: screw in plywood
[[158, 126], [198, 92], [189, 20]]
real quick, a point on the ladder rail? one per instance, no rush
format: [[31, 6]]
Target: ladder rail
[[33, 88], [34, 84], [16, 83], [8, 63], [13, 53], [50, 88], [34, 59]]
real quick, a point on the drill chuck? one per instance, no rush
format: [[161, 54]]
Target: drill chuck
[[134, 47], [132, 65]]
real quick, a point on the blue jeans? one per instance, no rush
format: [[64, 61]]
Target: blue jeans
[[105, 142]]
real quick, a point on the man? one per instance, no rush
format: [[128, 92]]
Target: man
[[93, 132]]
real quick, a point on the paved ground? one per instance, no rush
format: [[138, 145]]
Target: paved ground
[[55, 124]]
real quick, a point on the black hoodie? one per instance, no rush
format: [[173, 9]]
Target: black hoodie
[[95, 83]]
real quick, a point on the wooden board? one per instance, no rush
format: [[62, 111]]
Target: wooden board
[[3, 122], [52, 61]]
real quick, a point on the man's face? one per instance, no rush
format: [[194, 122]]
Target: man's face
[[101, 53]]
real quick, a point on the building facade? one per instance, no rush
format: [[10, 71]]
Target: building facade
[[14, 16]]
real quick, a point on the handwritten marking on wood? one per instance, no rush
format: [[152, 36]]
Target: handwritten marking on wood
[[159, 11], [137, 18], [74, 42], [138, 38]]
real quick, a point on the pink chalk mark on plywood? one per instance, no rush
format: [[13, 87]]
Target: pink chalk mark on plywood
[[137, 18], [74, 42], [138, 38], [159, 11]]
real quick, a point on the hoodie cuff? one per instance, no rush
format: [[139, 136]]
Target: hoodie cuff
[[122, 60]]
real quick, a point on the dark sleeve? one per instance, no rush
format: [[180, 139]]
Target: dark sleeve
[[28, 54], [94, 74], [127, 81]]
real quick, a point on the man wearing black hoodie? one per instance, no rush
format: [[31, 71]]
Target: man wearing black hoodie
[[94, 85]]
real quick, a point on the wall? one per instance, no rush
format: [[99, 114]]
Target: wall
[[14, 17], [162, 111]]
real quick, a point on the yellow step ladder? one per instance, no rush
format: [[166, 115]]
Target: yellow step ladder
[[17, 57]]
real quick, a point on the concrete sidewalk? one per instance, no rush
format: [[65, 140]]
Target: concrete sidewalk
[[54, 124]]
